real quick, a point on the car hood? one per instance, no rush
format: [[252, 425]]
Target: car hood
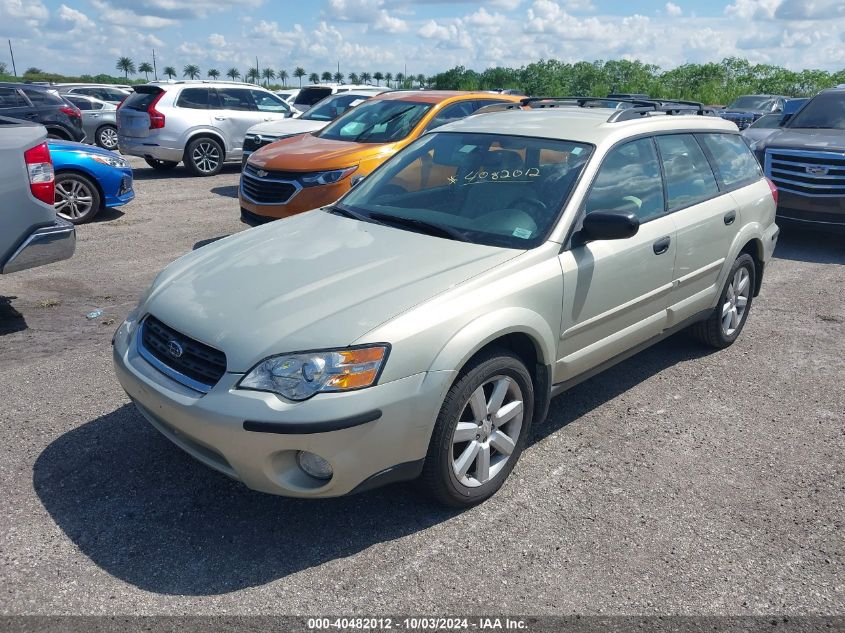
[[286, 126], [308, 152], [808, 139], [740, 112], [312, 281]]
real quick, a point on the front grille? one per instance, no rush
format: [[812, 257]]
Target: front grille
[[198, 362], [807, 173], [275, 187], [251, 144]]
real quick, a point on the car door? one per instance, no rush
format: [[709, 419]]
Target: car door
[[235, 113], [90, 114], [616, 292], [705, 221]]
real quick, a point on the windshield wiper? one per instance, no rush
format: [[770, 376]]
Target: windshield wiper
[[390, 120], [430, 228], [346, 212]]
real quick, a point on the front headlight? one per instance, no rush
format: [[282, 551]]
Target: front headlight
[[300, 376], [327, 177], [111, 161]]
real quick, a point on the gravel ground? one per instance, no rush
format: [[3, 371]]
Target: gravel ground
[[679, 482]]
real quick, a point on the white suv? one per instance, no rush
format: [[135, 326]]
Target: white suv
[[199, 122]]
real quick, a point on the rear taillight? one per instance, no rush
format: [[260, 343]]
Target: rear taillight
[[42, 179], [71, 111], [774, 190], [156, 117]]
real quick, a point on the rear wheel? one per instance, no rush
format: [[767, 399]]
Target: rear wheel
[[161, 165], [204, 157], [106, 137], [77, 198], [480, 432], [726, 321]]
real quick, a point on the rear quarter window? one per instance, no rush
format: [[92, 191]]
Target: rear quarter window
[[732, 159]]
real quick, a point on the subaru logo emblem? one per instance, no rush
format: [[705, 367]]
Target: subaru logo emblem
[[174, 348], [816, 170], [261, 173]]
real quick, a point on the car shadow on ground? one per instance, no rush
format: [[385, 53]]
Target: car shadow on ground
[[210, 240], [230, 191], [10, 319], [148, 173], [108, 214], [148, 514], [816, 246]]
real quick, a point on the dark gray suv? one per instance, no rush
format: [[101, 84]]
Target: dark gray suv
[[33, 103]]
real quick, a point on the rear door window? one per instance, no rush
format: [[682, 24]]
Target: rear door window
[[235, 99], [42, 98], [451, 113], [82, 104], [194, 98], [629, 180], [732, 159], [9, 98], [689, 178]]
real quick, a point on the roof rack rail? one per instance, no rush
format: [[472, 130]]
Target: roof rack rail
[[638, 107]]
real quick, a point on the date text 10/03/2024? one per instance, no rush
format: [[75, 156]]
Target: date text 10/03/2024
[[417, 624]]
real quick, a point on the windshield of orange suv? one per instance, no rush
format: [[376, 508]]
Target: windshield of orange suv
[[489, 189], [377, 122]]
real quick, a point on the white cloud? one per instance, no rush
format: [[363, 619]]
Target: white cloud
[[673, 9], [811, 10]]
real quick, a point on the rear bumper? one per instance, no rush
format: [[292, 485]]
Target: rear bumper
[[45, 245], [148, 148], [817, 210]]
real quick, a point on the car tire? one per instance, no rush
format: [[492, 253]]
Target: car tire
[[106, 137], [77, 198], [454, 472], [723, 326], [161, 165], [204, 156]]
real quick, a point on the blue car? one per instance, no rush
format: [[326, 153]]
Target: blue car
[[88, 179]]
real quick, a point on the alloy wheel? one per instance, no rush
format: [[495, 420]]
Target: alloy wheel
[[736, 301], [487, 431], [108, 138], [206, 157], [73, 199]]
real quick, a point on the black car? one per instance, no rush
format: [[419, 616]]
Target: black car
[[746, 109], [34, 103], [805, 158]]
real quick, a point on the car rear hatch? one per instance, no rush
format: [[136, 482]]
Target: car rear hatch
[[133, 117]]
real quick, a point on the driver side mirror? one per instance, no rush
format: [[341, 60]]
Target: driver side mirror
[[609, 225]]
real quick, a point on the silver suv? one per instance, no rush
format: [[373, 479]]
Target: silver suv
[[418, 326], [199, 122]]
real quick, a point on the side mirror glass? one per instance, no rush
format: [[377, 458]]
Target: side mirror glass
[[609, 225]]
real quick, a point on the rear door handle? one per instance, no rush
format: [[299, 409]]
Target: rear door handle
[[219, 118], [662, 245], [729, 218]]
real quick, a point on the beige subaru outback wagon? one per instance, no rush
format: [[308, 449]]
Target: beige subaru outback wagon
[[416, 328]]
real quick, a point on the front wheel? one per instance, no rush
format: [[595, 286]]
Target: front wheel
[[204, 157], [77, 198], [106, 137], [728, 318], [480, 431], [161, 165]]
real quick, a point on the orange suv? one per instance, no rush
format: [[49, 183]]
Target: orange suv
[[309, 171]]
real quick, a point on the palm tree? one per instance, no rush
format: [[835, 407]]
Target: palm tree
[[191, 71], [400, 79], [170, 71], [327, 76], [299, 73], [314, 78], [338, 77], [213, 73], [366, 78], [253, 74], [268, 74], [145, 68], [387, 78], [126, 65], [283, 77], [354, 79], [233, 73], [421, 80], [378, 77]]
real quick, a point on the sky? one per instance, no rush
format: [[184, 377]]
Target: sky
[[422, 36]]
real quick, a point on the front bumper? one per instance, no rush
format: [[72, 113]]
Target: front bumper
[[45, 245], [812, 210], [343, 428], [121, 190]]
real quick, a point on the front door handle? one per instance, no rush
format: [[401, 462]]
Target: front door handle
[[219, 118], [729, 218], [662, 245]]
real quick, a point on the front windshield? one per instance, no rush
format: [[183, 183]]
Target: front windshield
[[768, 121], [377, 121], [332, 107], [485, 188], [752, 103], [825, 111]]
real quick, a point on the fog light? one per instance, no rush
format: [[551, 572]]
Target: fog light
[[314, 465]]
